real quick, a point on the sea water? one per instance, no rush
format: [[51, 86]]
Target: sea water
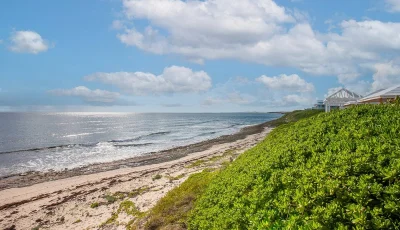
[[55, 141]]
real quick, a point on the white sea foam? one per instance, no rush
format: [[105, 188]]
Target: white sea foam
[[78, 134]]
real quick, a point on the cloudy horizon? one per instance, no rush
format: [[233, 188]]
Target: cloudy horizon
[[193, 56]]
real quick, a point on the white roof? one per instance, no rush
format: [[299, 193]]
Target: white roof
[[391, 92], [342, 96]]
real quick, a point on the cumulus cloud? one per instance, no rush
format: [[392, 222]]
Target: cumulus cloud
[[88, 95], [291, 83], [295, 100], [386, 75], [174, 79], [393, 5], [258, 31], [242, 20], [28, 42]]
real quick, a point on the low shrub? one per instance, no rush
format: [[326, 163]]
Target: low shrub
[[173, 208], [339, 170], [157, 177], [110, 199]]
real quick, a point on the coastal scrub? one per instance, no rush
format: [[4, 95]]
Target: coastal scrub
[[173, 208], [338, 170]]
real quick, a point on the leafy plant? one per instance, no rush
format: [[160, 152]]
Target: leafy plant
[[172, 178], [196, 163], [138, 191], [77, 221], [94, 205], [339, 170], [110, 199], [173, 208], [157, 177]]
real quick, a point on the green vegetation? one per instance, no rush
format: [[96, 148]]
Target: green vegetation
[[196, 163], [111, 220], [338, 170], [95, 205], [229, 152], [294, 116], [172, 178], [172, 210], [77, 221], [110, 199], [120, 195], [157, 177], [129, 208], [138, 192]]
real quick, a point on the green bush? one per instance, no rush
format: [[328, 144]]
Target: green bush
[[173, 208], [95, 205], [339, 170], [294, 116], [110, 199], [156, 177]]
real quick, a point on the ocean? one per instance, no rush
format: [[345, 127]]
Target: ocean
[[56, 141]]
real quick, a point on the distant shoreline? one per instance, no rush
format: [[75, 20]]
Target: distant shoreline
[[35, 177]]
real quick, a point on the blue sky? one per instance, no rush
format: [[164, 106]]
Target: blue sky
[[193, 56]]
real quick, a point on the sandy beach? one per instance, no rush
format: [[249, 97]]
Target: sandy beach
[[87, 197]]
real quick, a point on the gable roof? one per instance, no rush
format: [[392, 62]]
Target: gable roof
[[343, 96], [391, 92]]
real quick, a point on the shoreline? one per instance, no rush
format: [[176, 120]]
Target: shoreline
[[35, 177], [68, 203]]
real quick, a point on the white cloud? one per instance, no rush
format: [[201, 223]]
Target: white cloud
[[258, 31], [365, 39], [174, 79], [117, 25], [295, 100], [386, 75], [360, 87], [232, 98], [290, 83], [88, 94], [348, 77], [393, 5], [28, 42], [238, 18]]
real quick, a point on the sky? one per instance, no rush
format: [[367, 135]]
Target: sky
[[193, 56]]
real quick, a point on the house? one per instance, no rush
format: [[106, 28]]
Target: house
[[320, 105], [381, 96], [340, 98]]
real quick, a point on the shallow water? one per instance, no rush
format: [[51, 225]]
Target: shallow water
[[45, 141]]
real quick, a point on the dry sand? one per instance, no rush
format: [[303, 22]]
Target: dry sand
[[66, 203]]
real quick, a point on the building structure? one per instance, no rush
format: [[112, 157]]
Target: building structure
[[381, 96], [340, 98]]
